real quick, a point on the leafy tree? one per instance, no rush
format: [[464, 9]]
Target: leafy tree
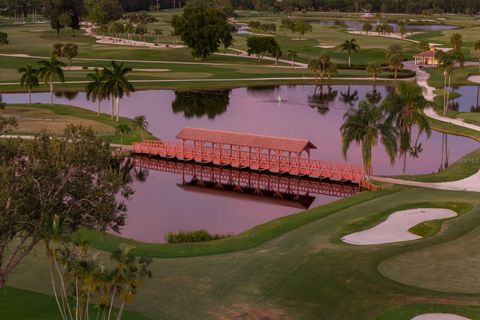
[[116, 83], [129, 29], [74, 180], [5, 125], [102, 12], [402, 30], [423, 45], [69, 51], [476, 47], [122, 129], [28, 79], [375, 70], [140, 123], [141, 30], [49, 70], [394, 49], [143, 18], [366, 125], [350, 46], [405, 108], [3, 38], [456, 40], [95, 88], [116, 28], [262, 45], [287, 25], [203, 30], [302, 27]]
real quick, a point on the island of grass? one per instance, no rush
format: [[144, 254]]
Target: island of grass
[[53, 119]]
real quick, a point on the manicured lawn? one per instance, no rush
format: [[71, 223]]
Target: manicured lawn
[[54, 118]]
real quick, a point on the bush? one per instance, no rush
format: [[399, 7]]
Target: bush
[[193, 236]]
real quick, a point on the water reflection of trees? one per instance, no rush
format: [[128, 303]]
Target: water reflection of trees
[[476, 107], [349, 97], [264, 88], [201, 103], [321, 99], [69, 95]]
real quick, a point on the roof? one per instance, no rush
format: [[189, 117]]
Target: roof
[[426, 54], [246, 139]]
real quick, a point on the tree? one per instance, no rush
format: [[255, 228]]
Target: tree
[[476, 47], [402, 30], [405, 108], [116, 28], [70, 51], [302, 27], [350, 46], [446, 63], [203, 30], [375, 70], [141, 30], [129, 29], [28, 79], [291, 55], [262, 45], [116, 83], [366, 125], [122, 128], [395, 62], [456, 41], [74, 180], [141, 123], [5, 125], [157, 33], [319, 66], [423, 45], [49, 70], [394, 49], [102, 12], [95, 88], [287, 25], [3, 38], [331, 70], [57, 50], [367, 27]]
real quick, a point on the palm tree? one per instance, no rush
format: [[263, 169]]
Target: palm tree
[[157, 33], [319, 66], [405, 108], [375, 70], [116, 83], [122, 128], [446, 63], [366, 126], [314, 66], [95, 88], [57, 50], [456, 41], [49, 70], [331, 70], [291, 55], [350, 46], [69, 51], [395, 62], [476, 47], [141, 123], [28, 79]]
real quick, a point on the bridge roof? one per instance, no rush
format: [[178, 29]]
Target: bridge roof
[[246, 139]]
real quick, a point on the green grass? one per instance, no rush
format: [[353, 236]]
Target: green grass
[[22, 304], [463, 168], [74, 112]]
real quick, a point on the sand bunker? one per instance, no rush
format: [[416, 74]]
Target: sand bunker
[[395, 228], [326, 47], [439, 316]]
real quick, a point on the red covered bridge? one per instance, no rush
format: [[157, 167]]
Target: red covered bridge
[[252, 151]]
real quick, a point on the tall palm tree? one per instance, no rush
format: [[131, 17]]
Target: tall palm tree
[[49, 70], [95, 88], [331, 70], [456, 41], [314, 66], [375, 70], [350, 46], [405, 109], [291, 55], [141, 123], [395, 62], [446, 63], [366, 125], [122, 128], [157, 33], [28, 79], [116, 83]]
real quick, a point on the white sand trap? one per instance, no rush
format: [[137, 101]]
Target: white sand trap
[[439, 316], [475, 79], [326, 47], [395, 228]]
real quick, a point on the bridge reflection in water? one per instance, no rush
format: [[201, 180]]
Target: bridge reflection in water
[[281, 189]]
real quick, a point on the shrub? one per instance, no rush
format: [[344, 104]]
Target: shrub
[[193, 236]]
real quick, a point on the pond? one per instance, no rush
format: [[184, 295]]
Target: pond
[[358, 24], [177, 197], [468, 101]]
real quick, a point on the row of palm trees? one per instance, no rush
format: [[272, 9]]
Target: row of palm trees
[[391, 123], [110, 84]]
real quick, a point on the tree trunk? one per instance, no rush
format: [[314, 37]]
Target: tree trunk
[[51, 91], [99, 106], [3, 281], [111, 106], [118, 108], [349, 60], [29, 95]]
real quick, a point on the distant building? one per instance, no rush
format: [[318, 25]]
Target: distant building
[[426, 58]]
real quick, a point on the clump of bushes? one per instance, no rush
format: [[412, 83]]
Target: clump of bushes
[[193, 236], [267, 27]]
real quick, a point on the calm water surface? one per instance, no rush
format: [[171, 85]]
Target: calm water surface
[[469, 100], [170, 202]]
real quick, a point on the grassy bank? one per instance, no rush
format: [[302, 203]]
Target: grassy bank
[[53, 119]]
